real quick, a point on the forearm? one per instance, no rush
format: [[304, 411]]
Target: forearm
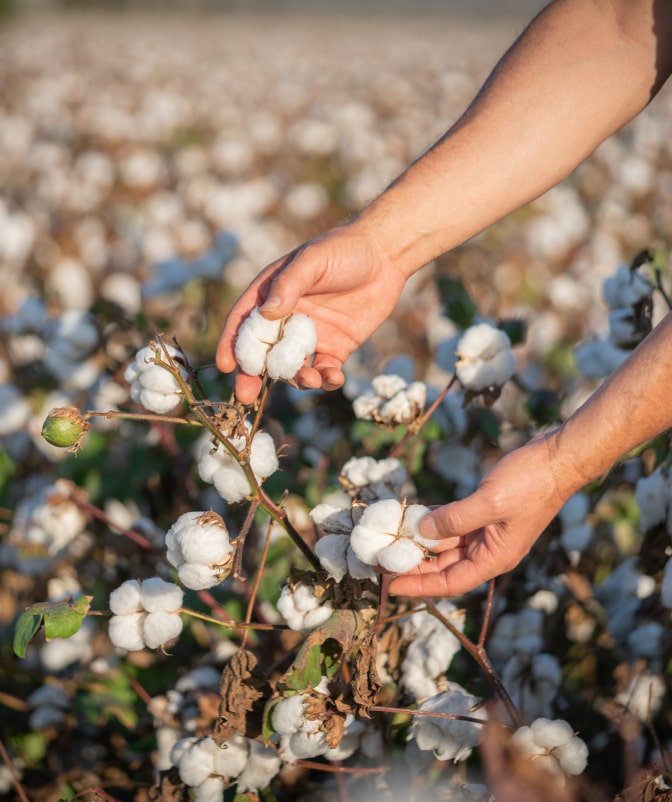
[[579, 72], [629, 408]]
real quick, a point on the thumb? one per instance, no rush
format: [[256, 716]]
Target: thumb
[[458, 517], [296, 278]]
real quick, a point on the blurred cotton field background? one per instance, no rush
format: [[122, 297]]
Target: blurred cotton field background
[[150, 164]]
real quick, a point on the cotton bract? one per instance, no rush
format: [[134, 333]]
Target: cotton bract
[[145, 614], [198, 546], [484, 358], [153, 386], [388, 535], [275, 347]]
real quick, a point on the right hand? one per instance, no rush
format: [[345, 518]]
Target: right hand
[[343, 280]]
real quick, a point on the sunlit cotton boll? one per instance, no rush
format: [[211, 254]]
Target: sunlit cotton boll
[[301, 608], [263, 763], [644, 695], [484, 357], [338, 559], [198, 546], [552, 745], [373, 479], [153, 386], [449, 739], [276, 347]]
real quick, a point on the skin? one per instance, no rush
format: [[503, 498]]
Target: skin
[[553, 98]]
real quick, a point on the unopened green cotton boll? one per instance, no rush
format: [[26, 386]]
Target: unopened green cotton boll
[[64, 427]]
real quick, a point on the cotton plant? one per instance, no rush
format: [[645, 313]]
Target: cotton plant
[[388, 535], [145, 614], [484, 358], [391, 400], [218, 466], [449, 738], [276, 348], [199, 547], [430, 650], [627, 293], [152, 385], [552, 746], [303, 606]]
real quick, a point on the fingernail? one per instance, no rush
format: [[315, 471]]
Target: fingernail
[[428, 527], [270, 304]]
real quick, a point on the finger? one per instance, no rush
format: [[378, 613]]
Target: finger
[[454, 580], [297, 275], [330, 368], [247, 388], [458, 517]]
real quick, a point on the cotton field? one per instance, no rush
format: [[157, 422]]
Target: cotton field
[[193, 593]]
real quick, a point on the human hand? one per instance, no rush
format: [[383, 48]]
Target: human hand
[[489, 532], [343, 280]]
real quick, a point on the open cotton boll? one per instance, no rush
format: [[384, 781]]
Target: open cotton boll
[[387, 385], [126, 598], [263, 456], [484, 357], [332, 519], [126, 631], [210, 790], [410, 524], [330, 551], [550, 734], [250, 352], [195, 763], [401, 556], [287, 715], [574, 756], [262, 765], [159, 628], [367, 543], [231, 758], [298, 342], [365, 405], [158, 596], [207, 544], [197, 576], [358, 569]]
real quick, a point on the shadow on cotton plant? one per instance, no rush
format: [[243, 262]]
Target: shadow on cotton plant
[[350, 679]]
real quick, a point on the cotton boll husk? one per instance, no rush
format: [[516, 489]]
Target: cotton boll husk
[[287, 715], [550, 734], [196, 763], [401, 556], [367, 543], [210, 790], [263, 456], [231, 758], [159, 628], [126, 631], [574, 756], [197, 576], [158, 596], [262, 765], [126, 598], [330, 551]]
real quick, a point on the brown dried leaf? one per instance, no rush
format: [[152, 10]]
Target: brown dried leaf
[[170, 788], [366, 682], [243, 694]]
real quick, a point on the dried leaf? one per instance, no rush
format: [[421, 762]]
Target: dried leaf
[[243, 694]]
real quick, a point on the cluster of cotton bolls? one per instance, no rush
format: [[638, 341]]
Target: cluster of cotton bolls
[[302, 734], [198, 546], [45, 524], [391, 400], [484, 358], [277, 348], [304, 607], [210, 769], [430, 650], [553, 747], [370, 479], [145, 614], [219, 467], [154, 386], [333, 549], [448, 738]]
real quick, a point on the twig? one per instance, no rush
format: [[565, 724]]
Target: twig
[[257, 582], [237, 568], [96, 512], [415, 427], [12, 773], [427, 713], [485, 626], [309, 764]]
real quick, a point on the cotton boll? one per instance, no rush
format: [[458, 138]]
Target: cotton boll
[[287, 715], [401, 556], [126, 598], [410, 524], [230, 758], [305, 745], [320, 615], [644, 695], [330, 551], [358, 569], [597, 358], [626, 288], [332, 519], [206, 544], [210, 790], [159, 628], [367, 543], [263, 456], [231, 483], [196, 763], [250, 352], [549, 734], [386, 386], [365, 405], [126, 631], [159, 596], [574, 756]]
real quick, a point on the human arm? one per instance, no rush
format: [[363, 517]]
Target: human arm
[[490, 531], [578, 73]]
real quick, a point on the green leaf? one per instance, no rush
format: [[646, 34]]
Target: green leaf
[[26, 628], [63, 619], [456, 301], [543, 407], [515, 328], [307, 670]]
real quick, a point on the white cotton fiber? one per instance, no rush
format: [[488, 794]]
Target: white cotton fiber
[[315, 618], [205, 544], [263, 456], [367, 543], [401, 556], [330, 551], [210, 790], [287, 715], [196, 764], [284, 360], [159, 596], [197, 576], [410, 525], [262, 765], [358, 569], [159, 628], [231, 483], [304, 598], [332, 519], [384, 516], [126, 598], [250, 353], [387, 385], [126, 632], [550, 734], [364, 405], [231, 758]]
